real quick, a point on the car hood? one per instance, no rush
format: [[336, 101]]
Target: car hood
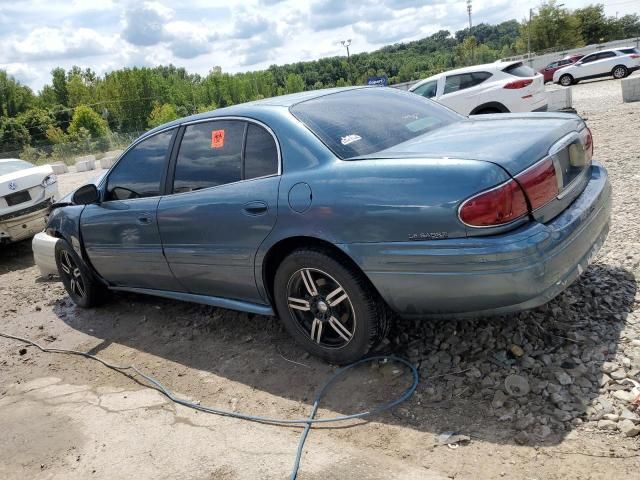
[[23, 179], [512, 141]]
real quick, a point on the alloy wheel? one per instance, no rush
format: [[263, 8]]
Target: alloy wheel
[[619, 72], [71, 271], [321, 308], [565, 81]]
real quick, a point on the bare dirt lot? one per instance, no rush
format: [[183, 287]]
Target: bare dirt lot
[[577, 357]]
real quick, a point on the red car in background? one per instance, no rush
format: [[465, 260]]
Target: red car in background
[[547, 71]]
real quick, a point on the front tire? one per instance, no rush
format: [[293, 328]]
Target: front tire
[[566, 80], [619, 71], [328, 307], [78, 280]]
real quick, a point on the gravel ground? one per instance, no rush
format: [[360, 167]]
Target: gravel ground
[[552, 393]]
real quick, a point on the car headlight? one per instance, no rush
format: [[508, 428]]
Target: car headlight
[[49, 180]]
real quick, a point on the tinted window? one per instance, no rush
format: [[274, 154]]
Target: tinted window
[[606, 55], [210, 154], [139, 172], [553, 65], [564, 62], [589, 58], [427, 90], [455, 83], [261, 154], [519, 70], [367, 120], [629, 51]]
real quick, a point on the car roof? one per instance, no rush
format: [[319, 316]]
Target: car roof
[[279, 102]]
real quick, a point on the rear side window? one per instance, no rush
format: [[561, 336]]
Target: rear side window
[[138, 173], [589, 58], [454, 83], [427, 90], [210, 154], [606, 55], [363, 121], [519, 70], [629, 51], [261, 153]]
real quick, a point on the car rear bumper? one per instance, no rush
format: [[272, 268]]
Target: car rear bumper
[[44, 253], [24, 223], [491, 275]]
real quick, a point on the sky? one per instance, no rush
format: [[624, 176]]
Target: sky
[[237, 35]]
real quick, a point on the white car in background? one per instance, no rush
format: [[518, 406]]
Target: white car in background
[[499, 87], [616, 63], [26, 193]]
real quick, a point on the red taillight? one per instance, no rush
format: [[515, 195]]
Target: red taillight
[[518, 84], [634, 55], [540, 183], [494, 207]]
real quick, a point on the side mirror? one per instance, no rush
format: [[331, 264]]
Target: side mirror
[[85, 195]]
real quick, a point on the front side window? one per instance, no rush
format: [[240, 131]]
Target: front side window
[[427, 90], [210, 155], [365, 121], [139, 172]]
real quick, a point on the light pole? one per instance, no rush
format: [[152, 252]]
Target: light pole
[[469, 12], [346, 43]]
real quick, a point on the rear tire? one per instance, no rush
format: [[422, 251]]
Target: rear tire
[[79, 281], [619, 71], [328, 307], [566, 80]]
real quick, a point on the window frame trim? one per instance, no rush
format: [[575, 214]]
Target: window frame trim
[[171, 172], [102, 186]]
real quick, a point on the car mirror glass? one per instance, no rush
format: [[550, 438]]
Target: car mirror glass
[[85, 195]]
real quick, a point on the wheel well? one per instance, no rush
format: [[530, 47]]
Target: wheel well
[[280, 250], [497, 106], [619, 65]]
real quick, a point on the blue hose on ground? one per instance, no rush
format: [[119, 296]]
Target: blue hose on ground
[[306, 422]]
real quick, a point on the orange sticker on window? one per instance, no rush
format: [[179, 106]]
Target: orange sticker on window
[[217, 138]]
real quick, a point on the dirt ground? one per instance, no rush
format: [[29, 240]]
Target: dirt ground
[[72, 418]]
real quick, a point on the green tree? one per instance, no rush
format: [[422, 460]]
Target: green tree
[[36, 121], [551, 27], [59, 84], [14, 97], [294, 83], [85, 117], [162, 114], [13, 136], [593, 23]]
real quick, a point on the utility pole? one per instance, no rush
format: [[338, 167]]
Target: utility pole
[[469, 12], [529, 36], [346, 43]]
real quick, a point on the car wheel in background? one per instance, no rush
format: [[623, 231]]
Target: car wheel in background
[[619, 71], [566, 80], [81, 285], [328, 307]]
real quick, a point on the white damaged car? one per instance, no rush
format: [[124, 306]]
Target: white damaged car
[[26, 193]]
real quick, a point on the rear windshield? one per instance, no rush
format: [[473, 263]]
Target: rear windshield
[[368, 120], [13, 166], [519, 70], [629, 51]]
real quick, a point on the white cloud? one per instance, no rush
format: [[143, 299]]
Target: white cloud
[[38, 35]]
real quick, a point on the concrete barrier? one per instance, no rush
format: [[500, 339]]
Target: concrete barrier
[[86, 163], [113, 153], [107, 162], [559, 99], [631, 89], [59, 168]]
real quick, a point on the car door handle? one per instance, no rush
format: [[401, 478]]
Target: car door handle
[[255, 208], [145, 219]]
